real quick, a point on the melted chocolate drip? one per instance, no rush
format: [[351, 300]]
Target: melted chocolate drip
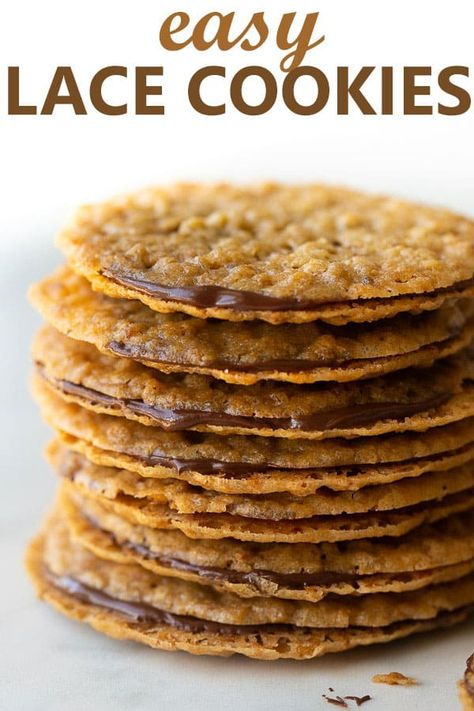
[[210, 296], [339, 418]]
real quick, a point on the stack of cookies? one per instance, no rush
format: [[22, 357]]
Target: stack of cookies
[[263, 407]]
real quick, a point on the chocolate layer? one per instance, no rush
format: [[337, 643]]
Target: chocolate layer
[[210, 296], [209, 467], [126, 350], [144, 614], [297, 365], [254, 578], [235, 470], [353, 416]]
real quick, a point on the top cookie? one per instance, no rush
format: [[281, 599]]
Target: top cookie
[[274, 252]]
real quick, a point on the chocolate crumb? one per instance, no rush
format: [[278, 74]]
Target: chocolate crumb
[[359, 699], [337, 701], [394, 679]]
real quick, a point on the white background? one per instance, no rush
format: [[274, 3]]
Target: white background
[[50, 163]]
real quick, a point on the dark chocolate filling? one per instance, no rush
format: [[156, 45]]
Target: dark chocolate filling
[[210, 296], [235, 470], [296, 365], [212, 466], [339, 418], [254, 578], [144, 614]]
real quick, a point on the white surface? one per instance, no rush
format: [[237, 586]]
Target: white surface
[[48, 164]]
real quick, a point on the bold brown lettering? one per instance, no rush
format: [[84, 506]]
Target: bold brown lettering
[[14, 106], [72, 97], [463, 97], [96, 87], [353, 90], [411, 90], [236, 91], [143, 90], [302, 43], [258, 23], [322, 96], [194, 91], [387, 91], [167, 30], [221, 35]]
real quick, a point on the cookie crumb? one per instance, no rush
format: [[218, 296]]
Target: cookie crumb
[[394, 679], [340, 701]]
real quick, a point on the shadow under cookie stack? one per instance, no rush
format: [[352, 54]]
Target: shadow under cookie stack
[[262, 401]]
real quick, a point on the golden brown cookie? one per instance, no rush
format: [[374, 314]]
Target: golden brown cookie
[[415, 399], [279, 253], [317, 529], [432, 554], [127, 601], [394, 679], [65, 556], [184, 498], [249, 351], [254, 465]]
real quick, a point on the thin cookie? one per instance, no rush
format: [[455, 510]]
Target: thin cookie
[[246, 352], [280, 253], [414, 400]]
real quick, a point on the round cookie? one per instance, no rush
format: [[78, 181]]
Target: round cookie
[[112, 483], [279, 253], [129, 617], [253, 465], [317, 529], [415, 399], [247, 352], [295, 571]]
